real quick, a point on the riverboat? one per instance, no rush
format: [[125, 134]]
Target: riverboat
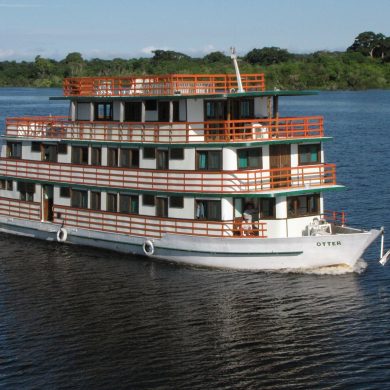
[[195, 169]]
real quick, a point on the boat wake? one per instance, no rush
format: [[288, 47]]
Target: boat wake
[[341, 269]]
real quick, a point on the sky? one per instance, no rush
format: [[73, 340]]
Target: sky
[[133, 28]]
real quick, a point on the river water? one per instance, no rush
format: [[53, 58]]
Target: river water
[[75, 317]]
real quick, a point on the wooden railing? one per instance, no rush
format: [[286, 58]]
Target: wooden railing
[[20, 209], [223, 182], [336, 217], [144, 226], [175, 84], [162, 132]]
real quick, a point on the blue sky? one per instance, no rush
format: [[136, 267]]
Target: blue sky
[[130, 28]]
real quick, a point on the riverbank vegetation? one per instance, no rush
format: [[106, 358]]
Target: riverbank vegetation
[[365, 64]]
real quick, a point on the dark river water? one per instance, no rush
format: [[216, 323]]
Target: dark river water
[[81, 318]]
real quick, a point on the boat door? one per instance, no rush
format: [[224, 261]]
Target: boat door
[[280, 161], [47, 203], [161, 207], [162, 159]]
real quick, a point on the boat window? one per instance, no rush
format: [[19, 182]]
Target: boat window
[[298, 206], [209, 160], [163, 111], [309, 154], [96, 156], [162, 159], [151, 105], [6, 185], [150, 153], [35, 146], [49, 153], [161, 207], [129, 158], [62, 148], [267, 208], [128, 204], [64, 192], [249, 158], [241, 109], [103, 112], [112, 157], [79, 199], [79, 155], [176, 154], [95, 200], [176, 113], [26, 190], [215, 110], [148, 200], [176, 202], [14, 149], [133, 112], [112, 203], [208, 209]]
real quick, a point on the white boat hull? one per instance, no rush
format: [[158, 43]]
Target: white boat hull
[[235, 253]]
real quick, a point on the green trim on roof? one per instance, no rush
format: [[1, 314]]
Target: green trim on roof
[[180, 97], [175, 145], [271, 194]]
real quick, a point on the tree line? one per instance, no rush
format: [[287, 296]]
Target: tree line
[[365, 64]]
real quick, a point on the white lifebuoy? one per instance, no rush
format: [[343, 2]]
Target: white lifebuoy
[[148, 248], [62, 235]]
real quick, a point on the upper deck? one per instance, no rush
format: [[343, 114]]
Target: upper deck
[[162, 85]]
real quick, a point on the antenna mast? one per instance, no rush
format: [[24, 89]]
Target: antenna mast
[[233, 56]]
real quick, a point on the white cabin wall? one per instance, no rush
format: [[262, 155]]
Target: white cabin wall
[[182, 110], [146, 163], [294, 155], [195, 110], [83, 111], [281, 207], [58, 200], [104, 155], [117, 111], [72, 111], [28, 154], [146, 210], [65, 158], [265, 151], [229, 159], [187, 212], [227, 211], [261, 107], [298, 227], [188, 163], [151, 116]]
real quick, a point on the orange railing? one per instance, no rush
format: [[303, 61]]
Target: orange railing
[[20, 209], [138, 225], [162, 132], [231, 182], [336, 217], [175, 84]]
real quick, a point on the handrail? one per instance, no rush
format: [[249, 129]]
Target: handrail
[[249, 130], [185, 181], [20, 209], [156, 227], [336, 217], [175, 84]]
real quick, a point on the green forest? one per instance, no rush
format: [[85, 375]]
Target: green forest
[[364, 65]]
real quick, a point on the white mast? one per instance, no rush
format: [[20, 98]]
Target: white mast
[[233, 56]]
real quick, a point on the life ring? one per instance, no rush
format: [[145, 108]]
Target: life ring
[[62, 235], [148, 248]]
